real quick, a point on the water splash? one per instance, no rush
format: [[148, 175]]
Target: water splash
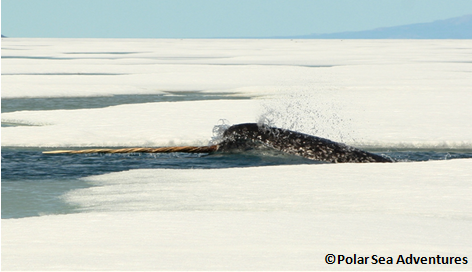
[[218, 131], [314, 112]]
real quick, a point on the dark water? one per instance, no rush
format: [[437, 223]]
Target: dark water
[[33, 183], [59, 103], [31, 164]]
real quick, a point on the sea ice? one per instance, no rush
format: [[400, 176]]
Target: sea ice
[[261, 218], [385, 94]]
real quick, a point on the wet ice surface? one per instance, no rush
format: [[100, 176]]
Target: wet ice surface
[[59, 103]]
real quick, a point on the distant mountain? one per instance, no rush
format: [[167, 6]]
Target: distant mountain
[[454, 28]]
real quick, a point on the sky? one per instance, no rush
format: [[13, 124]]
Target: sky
[[214, 18]]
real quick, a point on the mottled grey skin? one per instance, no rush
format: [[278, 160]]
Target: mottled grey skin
[[246, 136]]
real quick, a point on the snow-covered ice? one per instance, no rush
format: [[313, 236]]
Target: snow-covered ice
[[256, 66], [381, 93], [263, 218], [389, 120]]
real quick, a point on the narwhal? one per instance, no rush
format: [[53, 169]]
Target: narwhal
[[252, 135], [245, 136]]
